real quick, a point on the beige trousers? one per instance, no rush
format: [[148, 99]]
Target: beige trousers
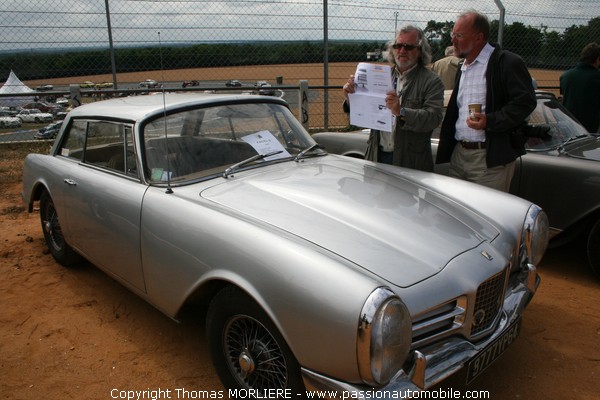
[[470, 165]]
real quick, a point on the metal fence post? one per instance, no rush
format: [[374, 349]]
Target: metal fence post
[[75, 95]]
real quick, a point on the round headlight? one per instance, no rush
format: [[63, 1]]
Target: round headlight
[[535, 234], [384, 337]]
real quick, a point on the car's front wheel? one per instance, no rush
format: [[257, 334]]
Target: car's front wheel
[[247, 350], [59, 248], [593, 248]]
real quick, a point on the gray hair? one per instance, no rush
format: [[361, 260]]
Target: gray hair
[[424, 54]]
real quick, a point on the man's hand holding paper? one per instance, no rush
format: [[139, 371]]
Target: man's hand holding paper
[[368, 106]]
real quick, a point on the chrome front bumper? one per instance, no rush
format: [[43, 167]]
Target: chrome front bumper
[[436, 362]]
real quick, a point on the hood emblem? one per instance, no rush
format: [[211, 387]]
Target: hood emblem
[[487, 255]]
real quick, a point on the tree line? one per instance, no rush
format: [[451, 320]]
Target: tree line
[[540, 47]]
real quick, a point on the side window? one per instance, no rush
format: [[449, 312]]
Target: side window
[[74, 142], [110, 145], [103, 144]]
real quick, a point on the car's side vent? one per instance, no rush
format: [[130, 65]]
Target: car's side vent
[[488, 303], [439, 320]]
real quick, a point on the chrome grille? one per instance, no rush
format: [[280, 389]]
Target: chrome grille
[[488, 303], [439, 321]]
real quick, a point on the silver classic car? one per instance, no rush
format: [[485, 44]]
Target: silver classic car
[[560, 172], [313, 271]]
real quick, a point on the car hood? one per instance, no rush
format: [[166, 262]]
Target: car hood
[[588, 148], [381, 220]]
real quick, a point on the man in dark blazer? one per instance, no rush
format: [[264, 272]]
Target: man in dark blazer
[[482, 146]]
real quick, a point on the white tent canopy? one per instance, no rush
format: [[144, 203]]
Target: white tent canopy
[[14, 85]]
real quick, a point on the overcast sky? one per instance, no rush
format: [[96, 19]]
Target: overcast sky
[[52, 24]]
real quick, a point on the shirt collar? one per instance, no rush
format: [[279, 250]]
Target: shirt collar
[[483, 57]]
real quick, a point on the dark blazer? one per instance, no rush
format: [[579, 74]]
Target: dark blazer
[[510, 98]]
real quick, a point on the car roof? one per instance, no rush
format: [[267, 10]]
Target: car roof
[[139, 107]]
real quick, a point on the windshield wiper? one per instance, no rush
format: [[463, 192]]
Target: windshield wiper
[[307, 150], [561, 148], [257, 157]]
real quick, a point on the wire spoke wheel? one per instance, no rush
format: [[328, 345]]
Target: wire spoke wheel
[[53, 233], [52, 228], [254, 356], [247, 349]]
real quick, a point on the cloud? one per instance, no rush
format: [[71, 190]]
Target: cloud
[[82, 23]]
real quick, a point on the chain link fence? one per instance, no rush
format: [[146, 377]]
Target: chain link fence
[[112, 46]]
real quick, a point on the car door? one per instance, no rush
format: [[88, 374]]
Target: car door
[[104, 198]]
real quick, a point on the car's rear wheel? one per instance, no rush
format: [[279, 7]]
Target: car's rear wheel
[[59, 248], [247, 350], [593, 248]]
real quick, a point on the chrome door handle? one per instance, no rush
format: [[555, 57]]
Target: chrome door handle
[[70, 182]]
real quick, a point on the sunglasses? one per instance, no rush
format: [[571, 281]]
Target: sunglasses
[[407, 47]]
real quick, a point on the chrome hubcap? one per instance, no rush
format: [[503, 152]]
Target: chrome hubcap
[[247, 364]]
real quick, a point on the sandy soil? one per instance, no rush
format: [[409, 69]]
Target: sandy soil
[[76, 334]]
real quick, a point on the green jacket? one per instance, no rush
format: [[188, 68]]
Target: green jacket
[[580, 88]]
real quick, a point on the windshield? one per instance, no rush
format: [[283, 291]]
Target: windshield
[[197, 143], [551, 125]]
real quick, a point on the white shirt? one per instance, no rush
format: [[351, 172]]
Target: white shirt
[[472, 89]]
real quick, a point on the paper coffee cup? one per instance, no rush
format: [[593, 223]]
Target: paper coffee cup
[[474, 108]]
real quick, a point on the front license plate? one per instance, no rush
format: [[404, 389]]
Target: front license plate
[[484, 359]]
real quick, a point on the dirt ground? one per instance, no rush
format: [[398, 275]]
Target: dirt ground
[[77, 334]]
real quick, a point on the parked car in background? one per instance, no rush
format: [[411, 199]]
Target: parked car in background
[[49, 131], [59, 116], [62, 101], [560, 171], [87, 85], [10, 111], [34, 115], [44, 88], [233, 83], [265, 88], [104, 85], [43, 107], [316, 271], [149, 83], [8, 121], [190, 83]]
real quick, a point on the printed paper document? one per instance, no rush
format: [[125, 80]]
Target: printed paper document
[[367, 103]]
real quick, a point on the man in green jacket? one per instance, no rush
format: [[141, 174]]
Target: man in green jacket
[[417, 104], [580, 88]]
